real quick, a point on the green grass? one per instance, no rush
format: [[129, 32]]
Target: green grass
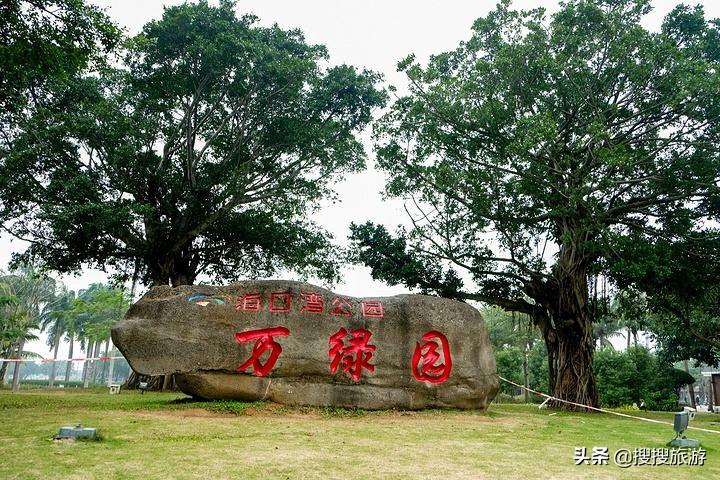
[[161, 435]]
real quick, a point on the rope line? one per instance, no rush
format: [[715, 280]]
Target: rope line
[[549, 397]]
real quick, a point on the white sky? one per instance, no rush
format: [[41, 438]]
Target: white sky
[[373, 34]]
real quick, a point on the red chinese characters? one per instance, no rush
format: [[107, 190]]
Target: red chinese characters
[[353, 357], [373, 309], [426, 363], [280, 302], [342, 306], [312, 303], [309, 302], [264, 341], [249, 301]]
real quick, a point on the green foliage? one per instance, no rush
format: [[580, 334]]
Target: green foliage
[[96, 310], [637, 376], [537, 147], [29, 296], [538, 368], [617, 378], [512, 337], [335, 412], [207, 150], [509, 365], [678, 286], [692, 334], [42, 43]]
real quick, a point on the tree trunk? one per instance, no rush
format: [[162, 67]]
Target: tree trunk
[[68, 367], [111, 369], [691, 388], [53, 367], [575, 379], [576, 347], [95, 369], [16, 377], [629, 332], [3, 372], [552, 363], [173, 269], [525, 377], [16, 371], [541, 320], [104, 362], [86, 363], [711, 394]]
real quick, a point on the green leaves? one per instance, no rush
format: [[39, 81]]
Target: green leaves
[[95, 310], [638, 376], [210, 120], [557, 134], [42, 42], [28, 296], [390, 260]]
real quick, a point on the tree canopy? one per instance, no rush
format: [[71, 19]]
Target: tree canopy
[[43, 42], [96, 310], [530, 152], [676, 282], [207, 150]]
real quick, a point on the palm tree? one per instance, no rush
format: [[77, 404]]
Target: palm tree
[[632, 312], [10, 327], [627, 311], [57, 323], [604, 328], [97, 309], [33, 295], [72, 328]]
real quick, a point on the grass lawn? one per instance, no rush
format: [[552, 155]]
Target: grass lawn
[[160, 435]]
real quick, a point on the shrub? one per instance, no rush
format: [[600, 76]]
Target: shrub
[[616, 375], [509, 365], [636, 376]]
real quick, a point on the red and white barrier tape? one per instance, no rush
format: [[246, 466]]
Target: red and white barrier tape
[[49, 360], [549, 397]]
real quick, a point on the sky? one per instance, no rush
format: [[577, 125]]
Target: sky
[[370, 34]]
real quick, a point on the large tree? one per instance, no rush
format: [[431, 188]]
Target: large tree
[[529, 150], [208, 150]]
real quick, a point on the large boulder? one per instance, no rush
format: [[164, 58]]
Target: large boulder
[[295, 343]]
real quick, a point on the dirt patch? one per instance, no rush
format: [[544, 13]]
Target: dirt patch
[[267, 410], [277, 411], [186, 413]]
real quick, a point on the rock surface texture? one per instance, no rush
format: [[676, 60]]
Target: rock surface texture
[[298, 344]]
